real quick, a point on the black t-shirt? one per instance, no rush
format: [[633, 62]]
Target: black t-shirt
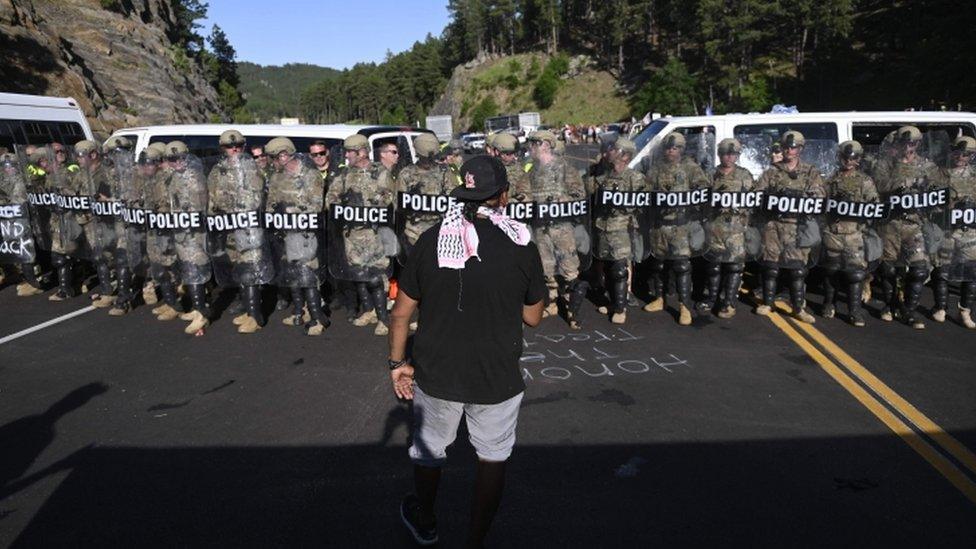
[[469, 337]]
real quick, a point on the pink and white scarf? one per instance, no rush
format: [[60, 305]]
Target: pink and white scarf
[[457, 240]]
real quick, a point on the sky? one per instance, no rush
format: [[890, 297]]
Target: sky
[[329, 33]]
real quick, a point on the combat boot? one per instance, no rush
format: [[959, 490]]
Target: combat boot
[[254, 319], [25, 289], [64, 290], [577, 293], [149, 293], [119, 309], [684, 315], [366, 301], [967, 319], [167, 311], [732, 282], [318, 321], [727, 312], [104, 298], [379, 296], [798, 301], [31, 285], [655, 306], [940, 291], [199, 316], [768, 292]]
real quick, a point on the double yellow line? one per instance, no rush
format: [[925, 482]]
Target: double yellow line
[[922, 434]]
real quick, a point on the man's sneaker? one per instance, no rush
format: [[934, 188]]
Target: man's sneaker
[[409, 513]]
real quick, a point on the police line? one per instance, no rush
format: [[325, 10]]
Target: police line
[[788, 204]]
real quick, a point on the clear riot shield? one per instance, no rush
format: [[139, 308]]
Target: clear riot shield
[[187, 218], [361, 238], [100, 182], [295, 224], [821, 153], [730, 233], [957, 255], [700, 149], [561, 222], [916, 196], [72, 208], [676, 228], [133, 180], [791, 217], [236, 239], [41, 201], [757, 153], [17, 244], [851, 241], [423, 197], [621, 206]]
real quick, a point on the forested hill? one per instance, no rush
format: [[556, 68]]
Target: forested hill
[[272, 92]]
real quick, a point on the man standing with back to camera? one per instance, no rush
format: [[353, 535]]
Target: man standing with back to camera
[[475, 278]]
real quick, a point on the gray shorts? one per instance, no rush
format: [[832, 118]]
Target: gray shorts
[[491, 428]]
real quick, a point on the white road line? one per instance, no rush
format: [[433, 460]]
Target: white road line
[[43, 325]]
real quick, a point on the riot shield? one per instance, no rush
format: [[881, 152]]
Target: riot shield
[[756, 153], [957, 255], [561, 218], [236, 240], [41, 201], [294, 222], [730, 235], [423, 197], [821, 153], [16, 236], [132, 181], [700, 149], [676, 227], [915, 196], [73, 203], [99, 181], [851, 242], [791, 217], [361, 239], [187, 218], [621, 206]]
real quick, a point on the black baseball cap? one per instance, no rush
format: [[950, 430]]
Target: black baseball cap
[[482, 177]]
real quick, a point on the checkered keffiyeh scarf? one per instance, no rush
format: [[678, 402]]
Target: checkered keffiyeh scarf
[[457, 240]]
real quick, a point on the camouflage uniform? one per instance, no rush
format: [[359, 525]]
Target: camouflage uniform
[[726, 236], [782, 246], [67, 239], [297, 189], [845, 240], [234, 185], [100, 229], [957, 255], [557, 182], [519, 186], [357, 252], [671, 235], [616, 231], [425, 179], [904, 233], [17, 229]]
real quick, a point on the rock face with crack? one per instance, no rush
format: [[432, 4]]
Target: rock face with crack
[[120, 64]]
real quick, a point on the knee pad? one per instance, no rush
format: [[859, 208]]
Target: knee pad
[[681, 265], [771, 272], [618, 270], [918, 273]]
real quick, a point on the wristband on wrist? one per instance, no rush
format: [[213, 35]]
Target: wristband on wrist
[[394, 364]]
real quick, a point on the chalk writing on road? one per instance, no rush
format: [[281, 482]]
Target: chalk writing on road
[[592, 354]]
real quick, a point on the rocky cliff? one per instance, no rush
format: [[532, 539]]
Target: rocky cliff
[[119, 64]]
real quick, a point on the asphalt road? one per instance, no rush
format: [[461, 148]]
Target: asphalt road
[[750, 431]]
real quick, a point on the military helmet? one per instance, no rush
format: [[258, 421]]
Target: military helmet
[[506, 143], [159, 147], [231, 137], [673, 139], [776, 148], [355, 142], [279, 145], [116, 142], [176, 148], [625, 145], [426, 144], [850, 149], [8, 158], [37, 156], [543, 135], [85, 147], [729, 145], [150, 154], [908, 134], [454, 146], [490, 139], [792, 138], [964, 144]]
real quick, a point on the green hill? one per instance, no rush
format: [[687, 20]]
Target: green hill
[[273, 92]]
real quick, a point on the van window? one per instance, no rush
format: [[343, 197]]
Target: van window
[[40, 132], [648, 133], [820, 149], [699, 145], [200, 145], [824, 131], [133, 138], [871, 134]]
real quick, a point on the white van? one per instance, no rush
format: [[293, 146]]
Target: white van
[[820, 129], [201, 139], [38, 120]]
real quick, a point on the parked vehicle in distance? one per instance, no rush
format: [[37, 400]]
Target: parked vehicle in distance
[[473, 142]]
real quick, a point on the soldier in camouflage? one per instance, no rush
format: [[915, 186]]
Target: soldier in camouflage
[[13, 192], [615, 229], [129, 238], [904, 238], [296, 188], [426, 177], [844, 239], [726, 232], [783, 247], [40, 215], [507, 147], [95, 178], [361, 255], [957, 255], [671, 233], [160, 244], [553, 180], [67, 239], [187, 189], [234, 185]]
